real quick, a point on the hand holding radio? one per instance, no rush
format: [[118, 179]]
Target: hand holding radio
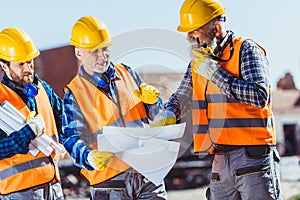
[[202, 62]]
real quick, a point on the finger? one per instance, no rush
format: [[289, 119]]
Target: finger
[[137, 93], [142, 85], [200, 54], [197, 53], [145, 88]]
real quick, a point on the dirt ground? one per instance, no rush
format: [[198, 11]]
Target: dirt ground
[[289, 189]]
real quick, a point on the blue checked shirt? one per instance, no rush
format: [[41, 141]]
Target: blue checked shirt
[[18, 141], [251, 88], [74, 123]]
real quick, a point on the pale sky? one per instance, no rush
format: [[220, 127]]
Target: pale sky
[[272, 23]]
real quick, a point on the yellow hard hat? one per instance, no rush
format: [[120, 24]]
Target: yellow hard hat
[[196, 13], [90, 33], [16, 46]]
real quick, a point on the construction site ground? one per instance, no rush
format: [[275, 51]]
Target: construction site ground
[[290, 190]]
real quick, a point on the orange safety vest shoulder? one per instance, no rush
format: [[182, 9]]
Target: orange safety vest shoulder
[[23, 171], [221, 120], [99, 111]]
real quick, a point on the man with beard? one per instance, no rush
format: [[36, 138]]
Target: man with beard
[[105, 94], [23, 175], [228, 89]]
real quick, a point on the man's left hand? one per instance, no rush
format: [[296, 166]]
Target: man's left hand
[[59, 153], [147, 93], [203, 64], [164, 118]]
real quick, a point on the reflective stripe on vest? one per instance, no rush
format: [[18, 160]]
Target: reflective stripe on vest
[[101, 111], [200, 125], [230, 122], [11, 171], [28, 175]]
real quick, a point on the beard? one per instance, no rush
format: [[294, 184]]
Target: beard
[[98, 66], [209, 41], [23, 79], [101, 69]]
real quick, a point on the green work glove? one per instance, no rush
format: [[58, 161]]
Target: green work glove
[[203, 64], [98, 160], [165, 117], [147, 93]]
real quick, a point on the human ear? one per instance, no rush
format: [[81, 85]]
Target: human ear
[[4, 66], [217, 30], [78, 53]]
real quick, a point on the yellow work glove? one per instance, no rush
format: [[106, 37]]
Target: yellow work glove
[[36, 123], [147, 93], [203, 64], [98, 160], [165, 117]]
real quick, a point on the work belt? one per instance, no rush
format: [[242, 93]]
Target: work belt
[[111, 184], [220, 149]]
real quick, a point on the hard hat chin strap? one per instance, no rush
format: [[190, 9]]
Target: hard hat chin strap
[[217, 58]]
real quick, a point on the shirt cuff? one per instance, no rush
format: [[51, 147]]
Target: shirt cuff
[[28, 132]]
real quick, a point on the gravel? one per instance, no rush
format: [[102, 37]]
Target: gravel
[[289, 189]]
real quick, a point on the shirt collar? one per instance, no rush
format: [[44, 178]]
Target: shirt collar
[[12, 85], [90, 78], [6, 81], [223, 43]]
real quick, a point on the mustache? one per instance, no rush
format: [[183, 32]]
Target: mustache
[[28, 74], [104, 61]]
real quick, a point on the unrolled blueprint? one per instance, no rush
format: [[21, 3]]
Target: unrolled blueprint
[[147, 150]]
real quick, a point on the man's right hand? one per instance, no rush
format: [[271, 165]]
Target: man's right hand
[[37, 124], [165, 117], [98, 160], [147, 93], [203, 64]]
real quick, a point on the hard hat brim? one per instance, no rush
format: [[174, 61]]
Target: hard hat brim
[[103, 44]]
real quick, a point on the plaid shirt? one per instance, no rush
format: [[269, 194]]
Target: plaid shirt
[[74, 123], [251, 88], [18, 142]]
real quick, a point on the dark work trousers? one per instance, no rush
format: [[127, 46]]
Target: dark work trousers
[[129, 185], [45, 191], [245, 173]]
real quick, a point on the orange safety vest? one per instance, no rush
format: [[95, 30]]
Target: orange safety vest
[[218, 119], [23, 171], [99, 111]]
